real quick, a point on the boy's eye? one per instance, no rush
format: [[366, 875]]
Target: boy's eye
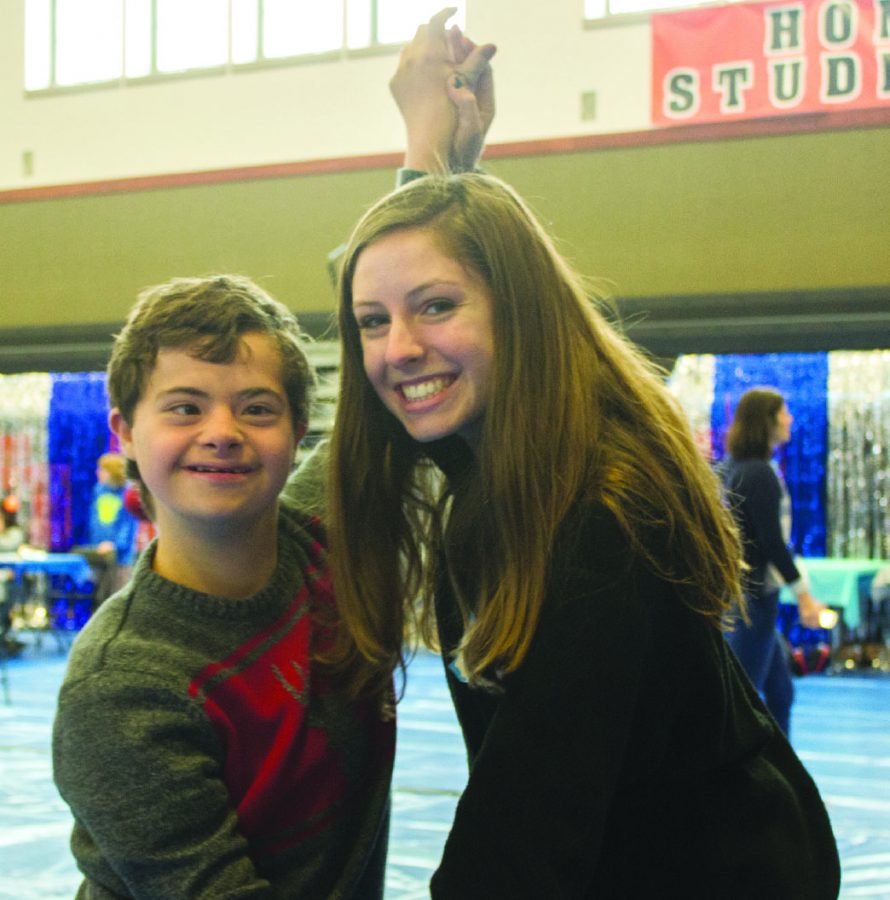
[[259, 410], [184, 409]]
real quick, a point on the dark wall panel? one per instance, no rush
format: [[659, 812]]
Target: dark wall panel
[[701, 242]]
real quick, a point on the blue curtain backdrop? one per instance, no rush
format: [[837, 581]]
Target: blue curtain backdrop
[[78, 435], [802, 378]]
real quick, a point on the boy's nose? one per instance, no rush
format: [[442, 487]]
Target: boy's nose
[[221, 429], [402, 344]]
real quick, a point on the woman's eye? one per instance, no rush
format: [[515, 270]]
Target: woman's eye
[[371, 321], [440, 305]]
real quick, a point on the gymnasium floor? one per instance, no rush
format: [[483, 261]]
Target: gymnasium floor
[[841, 731]]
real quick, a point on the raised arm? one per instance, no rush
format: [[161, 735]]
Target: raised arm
[[444, 89]]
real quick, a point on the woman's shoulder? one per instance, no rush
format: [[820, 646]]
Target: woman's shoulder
[[602, 579], [741, 471], [593, 540]]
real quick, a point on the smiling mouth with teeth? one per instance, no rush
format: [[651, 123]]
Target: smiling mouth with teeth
[[425, 388]]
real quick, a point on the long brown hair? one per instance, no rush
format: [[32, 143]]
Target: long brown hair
[[750, 434], [576, 413]]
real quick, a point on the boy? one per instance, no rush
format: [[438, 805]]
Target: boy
[[202, 749]]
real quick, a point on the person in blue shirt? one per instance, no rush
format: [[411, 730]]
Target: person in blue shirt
[[112, 528]]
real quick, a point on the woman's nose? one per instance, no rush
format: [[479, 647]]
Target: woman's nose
[[403, 344]]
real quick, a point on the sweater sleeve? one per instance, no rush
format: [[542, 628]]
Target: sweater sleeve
[[545, 772], [306, 486], [762, 495], [140, 769]]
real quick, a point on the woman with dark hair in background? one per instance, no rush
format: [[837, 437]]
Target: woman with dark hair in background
[[760, 500]]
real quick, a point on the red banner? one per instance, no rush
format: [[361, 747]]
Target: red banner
[[744, 61]]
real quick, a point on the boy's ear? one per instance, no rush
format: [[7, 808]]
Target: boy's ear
[[119, 425]]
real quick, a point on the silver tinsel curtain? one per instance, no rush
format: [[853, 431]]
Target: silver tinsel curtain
[[859, 454], [24, 407], [857, 468]]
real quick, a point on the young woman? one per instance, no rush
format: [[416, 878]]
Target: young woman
[[510, 476], [761, 424]]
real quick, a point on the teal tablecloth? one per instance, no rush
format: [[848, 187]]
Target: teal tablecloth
[[835, 582]]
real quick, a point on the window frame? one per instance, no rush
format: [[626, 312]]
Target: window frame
[[375, 47], [643, 15]]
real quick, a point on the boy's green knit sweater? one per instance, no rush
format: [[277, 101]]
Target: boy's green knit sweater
[[202, 754]]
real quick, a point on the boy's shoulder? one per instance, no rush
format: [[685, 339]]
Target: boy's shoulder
[[152, 617], [297, 521], [302, 546], [94, 646]]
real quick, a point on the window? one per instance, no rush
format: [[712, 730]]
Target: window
[[601, 9], [76, 42]]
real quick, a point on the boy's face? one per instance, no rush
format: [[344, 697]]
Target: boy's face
[[214, 442]]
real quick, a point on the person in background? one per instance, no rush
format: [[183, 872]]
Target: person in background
[[12, 535], [140, 509], [758, 496], [510, 477], [203, 749], [112, 528]]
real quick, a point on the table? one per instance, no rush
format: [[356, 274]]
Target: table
[[835, 582], [72, 564], [32, 611]]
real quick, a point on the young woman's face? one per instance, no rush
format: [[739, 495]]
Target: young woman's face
[[427, 334], [782, 427]]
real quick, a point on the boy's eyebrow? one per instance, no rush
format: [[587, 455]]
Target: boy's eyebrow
[[246, 394], [192, 392]]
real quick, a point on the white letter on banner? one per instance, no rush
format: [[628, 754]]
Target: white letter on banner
[[730, 80], [882, 21], [787, 80], [838, 23], [883, 67], [841, 78], [681, 95], [782, 29]]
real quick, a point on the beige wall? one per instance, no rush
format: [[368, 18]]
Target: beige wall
[[784, 213], [330, 107], [792, 212]]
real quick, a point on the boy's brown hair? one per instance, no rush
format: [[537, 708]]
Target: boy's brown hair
[[208, 316]]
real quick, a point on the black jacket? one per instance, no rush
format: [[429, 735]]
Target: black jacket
[[755, 494], [629, 755]]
